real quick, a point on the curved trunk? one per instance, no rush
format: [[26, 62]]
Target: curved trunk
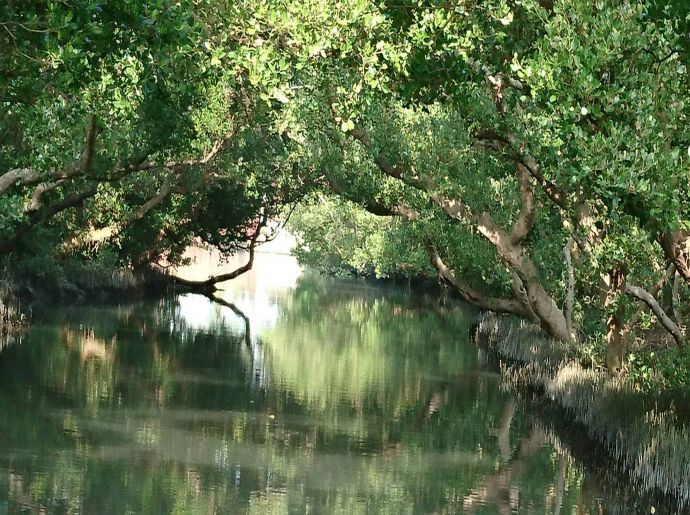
[[208, 286], [521, 293], [676, 247], [507, 243], [471, 295], [550, 316], [661, 315]]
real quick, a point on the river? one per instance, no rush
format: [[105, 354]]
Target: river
[[305, 395]]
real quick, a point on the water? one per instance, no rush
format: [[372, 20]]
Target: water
[[315, 396]]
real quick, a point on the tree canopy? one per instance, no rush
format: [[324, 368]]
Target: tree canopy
[[532, 154]]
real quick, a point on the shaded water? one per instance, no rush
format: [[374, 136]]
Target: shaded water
[[330, 397]]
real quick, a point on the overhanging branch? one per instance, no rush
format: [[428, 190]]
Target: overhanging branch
[[664, 320], [29, 176], [71, 201], [209, 285], [471, 295]]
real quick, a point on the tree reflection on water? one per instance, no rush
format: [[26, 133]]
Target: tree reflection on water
[[355, 400]]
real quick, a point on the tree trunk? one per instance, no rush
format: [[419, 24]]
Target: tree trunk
[[615, 347], [551, 318], [675, 299], [570, 293], [507, 243], [676, 247], [521, 294], [471, 295], [664, 320], [615, 342], [511, 252]]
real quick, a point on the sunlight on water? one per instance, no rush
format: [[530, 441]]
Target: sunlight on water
[[258, 293]]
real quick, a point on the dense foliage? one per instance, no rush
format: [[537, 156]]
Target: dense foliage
[[123, 139], [532, 154]]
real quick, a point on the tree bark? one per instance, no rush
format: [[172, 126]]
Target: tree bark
[[525, 221], [521, 294], [172, 186], [656, 308], [471, 295], [570, 290], [511, 144], [615, 342], [28, 176], [48, 212], [507, 244], [653, 291], [551, 318], [676, 246], [675, 299], [17, 175]]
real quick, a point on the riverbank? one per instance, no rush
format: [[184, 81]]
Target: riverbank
[[13, 320], [647, 437]]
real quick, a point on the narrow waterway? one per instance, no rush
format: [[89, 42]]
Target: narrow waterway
[[306, 395]]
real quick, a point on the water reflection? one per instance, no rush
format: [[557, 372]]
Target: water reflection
[[258, 293], [353, 400], [13, 319]]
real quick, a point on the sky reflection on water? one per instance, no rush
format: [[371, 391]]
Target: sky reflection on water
[[345, 398]]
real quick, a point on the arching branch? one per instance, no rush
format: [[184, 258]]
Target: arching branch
[[471, 295], [656, 308], [510, 252], [209, 285], [71, 201], [653, 291], [29, 176]]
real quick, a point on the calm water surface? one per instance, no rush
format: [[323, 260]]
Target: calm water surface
[[319, 396]]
